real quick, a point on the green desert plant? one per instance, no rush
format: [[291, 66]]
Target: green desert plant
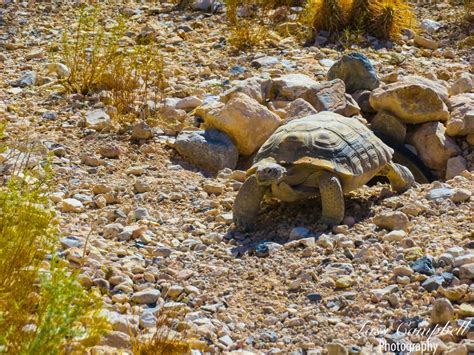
[[66, 312], [42, 308]]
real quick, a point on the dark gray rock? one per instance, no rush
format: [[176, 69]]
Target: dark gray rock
[[424, 266], [433, 283], [356, 71], [27, 79], [212, 150]]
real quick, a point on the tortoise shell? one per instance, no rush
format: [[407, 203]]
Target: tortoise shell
[[329, 141]]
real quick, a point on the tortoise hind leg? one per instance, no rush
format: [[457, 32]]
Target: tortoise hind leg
[[247, 203], [400, 177], [332, 199]]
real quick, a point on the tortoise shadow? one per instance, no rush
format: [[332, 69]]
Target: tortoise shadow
[[277, 219]]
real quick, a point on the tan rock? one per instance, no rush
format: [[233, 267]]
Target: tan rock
[[255, 87], [433, 146], [390, 126], [413, 100], [292, 86], [456, 349], [462, 85], [392, 220], [455, 166], [247, 122], [116, 339], [331, 96], [298, 109], [461, 122], [454, 293], [426, 42], [72, 205], [442, 311]]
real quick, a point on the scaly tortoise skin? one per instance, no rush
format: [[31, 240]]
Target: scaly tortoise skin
[[325, 154]]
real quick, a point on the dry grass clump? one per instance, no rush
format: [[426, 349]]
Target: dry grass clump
[[249, 28], [99, 59], [167, 338], [43, 310]]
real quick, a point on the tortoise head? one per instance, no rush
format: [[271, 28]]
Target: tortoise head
[[269, 173]]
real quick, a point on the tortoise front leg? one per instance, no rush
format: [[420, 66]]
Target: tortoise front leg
[[332, 199], [247, 203], [400, 177]]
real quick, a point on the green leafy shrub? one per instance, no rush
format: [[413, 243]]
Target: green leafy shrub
[[43, 309], [66, 313]]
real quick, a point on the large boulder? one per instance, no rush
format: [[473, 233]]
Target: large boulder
[[212, 150], [461, 122], [247, 122], [414, 100], [292, 86], [331, 96], [434, 147], [357, 72]]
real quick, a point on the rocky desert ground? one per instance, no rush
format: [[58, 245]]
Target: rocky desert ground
[[145, 207]]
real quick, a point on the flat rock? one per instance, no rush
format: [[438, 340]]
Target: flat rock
[[291, 86], [212, 150], [28, 78], [392, 220], [72, 205], [146, 296]]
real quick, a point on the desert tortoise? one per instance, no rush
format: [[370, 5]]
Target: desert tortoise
[[324, 154]]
